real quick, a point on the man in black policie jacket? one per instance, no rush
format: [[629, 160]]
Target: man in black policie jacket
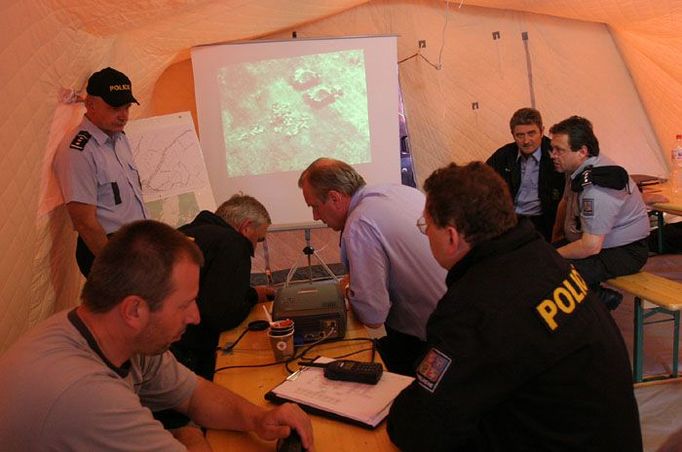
[[521, 356]]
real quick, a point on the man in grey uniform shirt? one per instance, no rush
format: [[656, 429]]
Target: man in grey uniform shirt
[[602, 215], [95, 167], [87, 379]]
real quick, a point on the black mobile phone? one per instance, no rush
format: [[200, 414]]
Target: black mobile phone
[[359, 372]]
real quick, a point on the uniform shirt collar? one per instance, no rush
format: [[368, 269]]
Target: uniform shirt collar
[[98, 134], [589, 161]]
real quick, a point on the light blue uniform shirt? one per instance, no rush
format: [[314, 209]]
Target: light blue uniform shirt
[[394, 277], [99, 170], [527, 200], [620, 216]]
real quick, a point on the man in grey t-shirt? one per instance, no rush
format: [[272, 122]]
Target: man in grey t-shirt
[[602, 215], [89, 379]]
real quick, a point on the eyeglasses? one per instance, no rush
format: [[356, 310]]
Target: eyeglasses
[[421, 225], [556, 151]]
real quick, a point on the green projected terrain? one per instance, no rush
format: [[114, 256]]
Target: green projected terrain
[[279, 115]]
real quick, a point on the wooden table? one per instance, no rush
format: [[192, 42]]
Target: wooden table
[[673, 206], [253, 383]]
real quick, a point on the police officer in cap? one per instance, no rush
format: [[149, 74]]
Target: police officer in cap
[[95, 167], [520, 354]]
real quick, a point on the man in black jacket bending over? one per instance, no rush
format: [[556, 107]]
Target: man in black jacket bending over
[[520, 354], [526, 166], [228, 239]]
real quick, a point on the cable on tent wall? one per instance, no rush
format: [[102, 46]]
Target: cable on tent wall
[[438, 66]]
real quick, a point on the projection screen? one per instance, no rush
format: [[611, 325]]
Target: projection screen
[[267, 109]]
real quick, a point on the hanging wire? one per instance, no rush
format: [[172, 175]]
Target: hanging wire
[[438, 66]]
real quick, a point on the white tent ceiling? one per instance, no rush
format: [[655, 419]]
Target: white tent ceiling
[[613, 61]]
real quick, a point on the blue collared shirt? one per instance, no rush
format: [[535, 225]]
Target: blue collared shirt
[[394, 277], [100, 171], [527, 200]]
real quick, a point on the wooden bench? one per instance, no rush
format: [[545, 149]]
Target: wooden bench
[[664, 296]]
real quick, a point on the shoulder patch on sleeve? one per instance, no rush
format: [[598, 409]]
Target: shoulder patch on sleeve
[[432, 369], [587, 208], [80, 140]]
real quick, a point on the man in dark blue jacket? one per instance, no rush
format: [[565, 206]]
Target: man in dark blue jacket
[[227, 239], [526, 166]]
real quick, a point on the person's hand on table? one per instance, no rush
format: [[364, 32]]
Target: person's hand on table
[[277, 423], [344, 285], [265, 293]]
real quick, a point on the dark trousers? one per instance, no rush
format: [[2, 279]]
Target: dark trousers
[[672, 239], [612, 262], [400, 352], [541, 223], [201, 362], [84, 257]]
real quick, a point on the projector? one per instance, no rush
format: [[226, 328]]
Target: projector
[[318, 310]]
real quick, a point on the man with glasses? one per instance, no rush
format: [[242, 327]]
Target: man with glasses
[[521, 355], [394, 280], [604, 219]]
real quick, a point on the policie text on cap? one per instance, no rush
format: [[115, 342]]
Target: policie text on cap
[[112, 86]]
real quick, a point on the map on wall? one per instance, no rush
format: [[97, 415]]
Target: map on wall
[[173, 174]]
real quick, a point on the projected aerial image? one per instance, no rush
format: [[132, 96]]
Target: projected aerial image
[[280, 115]]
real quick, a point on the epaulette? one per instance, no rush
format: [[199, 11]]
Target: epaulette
[[80, 140], [613, 176]]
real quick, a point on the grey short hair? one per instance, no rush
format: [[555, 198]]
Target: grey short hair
[[241, 207], [325, 175]]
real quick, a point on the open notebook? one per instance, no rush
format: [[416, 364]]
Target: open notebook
[[356, 403]]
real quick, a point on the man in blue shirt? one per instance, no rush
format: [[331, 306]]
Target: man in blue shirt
[[526, 166], [95, 167], [394, 279]]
